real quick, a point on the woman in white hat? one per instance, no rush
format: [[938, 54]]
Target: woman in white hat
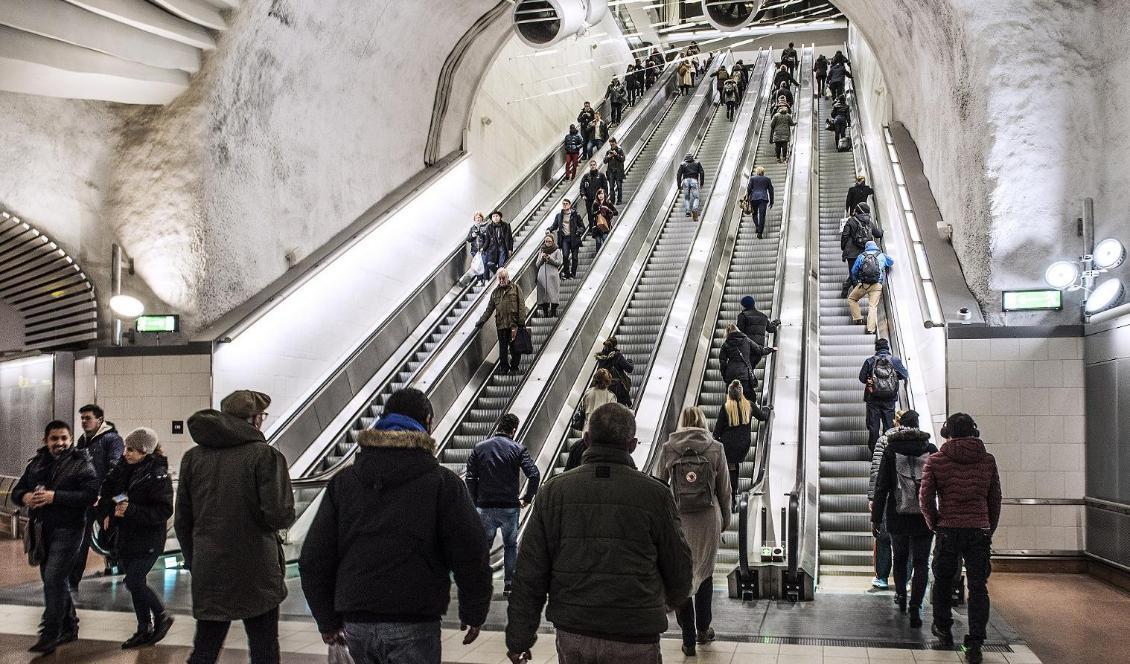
[[137, 501]]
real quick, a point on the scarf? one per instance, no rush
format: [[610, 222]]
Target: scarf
[[396, 422], [551, 247]]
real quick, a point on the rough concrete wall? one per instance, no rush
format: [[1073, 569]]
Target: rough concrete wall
[[997, 96], [1112, 202]]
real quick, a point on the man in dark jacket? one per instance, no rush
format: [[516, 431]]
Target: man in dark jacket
[[738, 356], [614, 163], [880, 401], [492, 479], [574, 145], [233, 498], [620, 366], [570, 231], [104, 444], [500, 241], [690, 177], [896, 502], [585, 122], [592, 182], [391, 529], [759, 193], [837, 77], [58, 486], [508, 306], [858, 230], [960, 499], [755, 324], [605, 545], [859, 193], [789, 58]]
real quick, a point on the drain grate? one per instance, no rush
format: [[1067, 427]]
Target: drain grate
[[854, 643]]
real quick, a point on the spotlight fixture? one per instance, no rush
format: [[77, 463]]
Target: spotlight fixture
[[1108, 294], [1109, 254], [127, 306], [1061, 274]]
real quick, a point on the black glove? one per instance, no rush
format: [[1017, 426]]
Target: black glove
[[479, 325], [776, 322]]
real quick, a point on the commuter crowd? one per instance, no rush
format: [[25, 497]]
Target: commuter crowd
[[608, 551]]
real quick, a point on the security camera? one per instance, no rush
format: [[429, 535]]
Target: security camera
[[965, 315]]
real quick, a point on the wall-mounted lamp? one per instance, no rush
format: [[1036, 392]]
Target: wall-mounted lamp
[[1082, 273]]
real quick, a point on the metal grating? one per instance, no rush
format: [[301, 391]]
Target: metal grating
[[39, 279]]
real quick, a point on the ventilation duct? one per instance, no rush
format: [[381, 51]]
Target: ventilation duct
[[542, 23], [727, 16]]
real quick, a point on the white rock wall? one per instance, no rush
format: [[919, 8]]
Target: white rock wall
[[1112, 80]]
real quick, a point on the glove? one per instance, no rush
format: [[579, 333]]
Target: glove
[[479, 325]]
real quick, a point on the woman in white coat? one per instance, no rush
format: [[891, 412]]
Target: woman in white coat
[[694, 464], [548, 263]]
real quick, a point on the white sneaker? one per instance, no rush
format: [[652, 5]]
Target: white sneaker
[[879, 583]]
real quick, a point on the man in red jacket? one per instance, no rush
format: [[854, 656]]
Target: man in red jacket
[[960, 498]]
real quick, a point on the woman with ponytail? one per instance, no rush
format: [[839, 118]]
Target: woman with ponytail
[[733, 429]]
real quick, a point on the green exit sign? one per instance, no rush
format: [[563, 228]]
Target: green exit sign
[[1033, 300], [159, 323]]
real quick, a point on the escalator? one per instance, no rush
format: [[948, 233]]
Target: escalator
[[480, 418], [845, 542], [752, 271], [643, 318]]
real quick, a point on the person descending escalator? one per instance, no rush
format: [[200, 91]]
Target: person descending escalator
[[694, 464], [690, 177], [733, 428], [500, 242], [730, 97], [859, 193], [820, 70], [685, 73], [614, 159], [602, 213], [857, 231], [599, 133], [570, 229], [780, 131], [574, 144], [592, 182], [477, 248], [616, 96], [548, 262], [596, 396], [639, 82], [584, 122], [738, 357], [620, 368], [754, 323], [508, 306]]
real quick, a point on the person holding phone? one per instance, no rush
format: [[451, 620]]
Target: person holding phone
[[137, 501]]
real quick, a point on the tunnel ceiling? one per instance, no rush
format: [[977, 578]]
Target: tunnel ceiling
[[772, 13]]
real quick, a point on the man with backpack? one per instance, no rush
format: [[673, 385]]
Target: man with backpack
[[961, 502], [880, 375], [574, 144], [869, 272], [789, 58], [858, 229], [690, 177], [897, 484]]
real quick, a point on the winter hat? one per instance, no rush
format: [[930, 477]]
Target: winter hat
[[864, 207], [142, 439], [245, 404], [689, 157], [882, 344], [747, 302]]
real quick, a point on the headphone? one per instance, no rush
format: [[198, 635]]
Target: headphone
[[946, 427]]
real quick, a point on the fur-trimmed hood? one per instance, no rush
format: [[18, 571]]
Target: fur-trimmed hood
[[409, 440], [391, 458]]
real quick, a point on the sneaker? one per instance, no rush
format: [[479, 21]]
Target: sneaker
[[506, 590], [688, 651], [945, 636], [900, 601], [140, 638], [881, 584], [973, 654], [688, 214], [164, 623], [706, 635]]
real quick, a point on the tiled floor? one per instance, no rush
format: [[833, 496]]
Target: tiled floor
[[301, 644]]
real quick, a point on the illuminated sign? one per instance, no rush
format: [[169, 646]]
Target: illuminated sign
[[1033, 300], [160, 323]]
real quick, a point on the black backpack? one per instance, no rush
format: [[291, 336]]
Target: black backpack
[[884, 379], [861, 233], [908, 472], [870, 270]]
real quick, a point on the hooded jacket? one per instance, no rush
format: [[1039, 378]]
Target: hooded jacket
[[739, 356], [909, 442], [961, 487], [71, 476], [849, 247], [604, 544], [574, 142], [755, 324], [147, 486], [885, 263], [869, 366], [492, 472], [690, 169], [105, 448], [837, 72], [389, 533], [233, 498]]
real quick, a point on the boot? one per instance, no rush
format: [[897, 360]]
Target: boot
[[164, 623], [915, 617], [553, 311], [706, 635], [973, 654], [900, 600], [141, 637], [945, 636]]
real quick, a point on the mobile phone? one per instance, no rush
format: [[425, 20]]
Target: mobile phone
[[121, 498]]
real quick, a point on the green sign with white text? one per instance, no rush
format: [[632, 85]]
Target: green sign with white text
[[1033, 300], [163, 323]]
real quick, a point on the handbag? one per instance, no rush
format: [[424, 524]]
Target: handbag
[[523, 342], [746, 205], [33, 543], [602, 224], [478, 267]]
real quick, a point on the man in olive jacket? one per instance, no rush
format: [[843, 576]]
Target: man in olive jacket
[[508, 305], [605, 544], [233, 497]]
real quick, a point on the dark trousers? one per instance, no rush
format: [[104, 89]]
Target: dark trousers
[[840, 131], [84, 551], [496, 258], [62, 546], [782, 149], [262, 639], [146, 604], [571, 252], [880, 417], [696, 613], [508, 358], [883, 553], [571, 159], [760, 211], [837, 89], [623, 396], [912, 551], [952, 545], [616, 189], [730, 106], [821, 85], [617, 113]]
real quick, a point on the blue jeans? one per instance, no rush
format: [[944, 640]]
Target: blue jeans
[[690, 195], [883, 553], [62, 547], [505, 518], [394, 643]]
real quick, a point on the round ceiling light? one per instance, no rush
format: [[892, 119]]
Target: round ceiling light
[[1108, 294], [1109, 254], [127, 306], [1061, 274]]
